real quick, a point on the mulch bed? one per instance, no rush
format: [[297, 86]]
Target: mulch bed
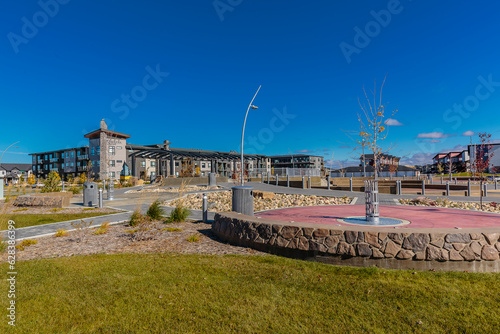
[[118, 240]]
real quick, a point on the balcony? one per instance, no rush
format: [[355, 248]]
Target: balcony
[[83, 157], [81, 168], [54, 169], [53, 159]]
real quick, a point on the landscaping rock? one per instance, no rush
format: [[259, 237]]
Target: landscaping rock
[[416, 242], [289, 232], [492, 238], [372, 239], [405, 254], [458, 238], [489, 253], [363, 250], [396, 237], [436, 254], [391, 249], [344, 248], [321, 233], [455, 256]]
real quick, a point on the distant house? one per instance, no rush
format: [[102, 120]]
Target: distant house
[[12, 173], [384, 171], [383, 160], [460, 162]]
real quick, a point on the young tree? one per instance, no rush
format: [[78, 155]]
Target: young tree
[[440, 168], [372, 124], [51, 183], [482, 158], [31, 179]]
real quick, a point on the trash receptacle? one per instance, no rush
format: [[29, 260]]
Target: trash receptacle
[[243, 200], [89, 194], [212, 181]]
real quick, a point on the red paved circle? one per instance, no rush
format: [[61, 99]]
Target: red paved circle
[[419, 217]]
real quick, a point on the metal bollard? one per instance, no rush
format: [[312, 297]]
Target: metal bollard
[[350, 184], [456, 182], [328, 182], [423, 187], [485, 187], [468, 188], [309, 183], [111, 191], [205, 208], [441, 180], [100, 198], [496, 184], [262, 178], [447, 188], [277, 179], [288, 180], [303, 182], [267, 178], [63, 189], [400, 188]]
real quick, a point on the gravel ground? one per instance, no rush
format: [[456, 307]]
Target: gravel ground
[[175, 189], [445, 203], [118, 240], [221, 201], [10, 209]]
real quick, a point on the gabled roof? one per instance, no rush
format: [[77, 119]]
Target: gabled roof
[[12, 166]]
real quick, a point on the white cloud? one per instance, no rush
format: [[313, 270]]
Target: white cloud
[[468, 133], [418, 159], [433, 135], [430, 141], [393, 122], [304, 151]]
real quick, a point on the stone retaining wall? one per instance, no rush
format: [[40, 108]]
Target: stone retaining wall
[[53, 200], [280, 237]]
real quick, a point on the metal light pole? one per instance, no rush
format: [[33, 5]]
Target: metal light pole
[[243, 136], [6, 150]]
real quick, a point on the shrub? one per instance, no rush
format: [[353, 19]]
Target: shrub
[[19, 210], [137, 218], [155, 211], [3, 246], [193, 238], [26, 243], [75, 190], [60, 233], [56, 209], [178, 214], [82, 229], [103, 229], [51, 183]]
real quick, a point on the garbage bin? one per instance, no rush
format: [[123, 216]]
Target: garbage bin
[[212, 181], [243, 200], [89, 194]]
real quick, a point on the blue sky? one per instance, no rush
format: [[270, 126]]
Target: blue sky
[[186, 70]]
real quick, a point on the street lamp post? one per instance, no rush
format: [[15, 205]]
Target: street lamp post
[[243, 136]]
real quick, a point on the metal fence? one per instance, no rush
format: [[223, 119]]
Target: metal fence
[[256, 172], [380, 174]]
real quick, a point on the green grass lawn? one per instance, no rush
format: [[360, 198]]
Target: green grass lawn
[[25, 220], [163, 293]]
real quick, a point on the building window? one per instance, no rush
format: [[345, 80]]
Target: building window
[[202, 165], [153, 163], [98, 150], [112, 174], [72, 154], [92, 150], [78, 153], [112, 150], [143, 163], [111, 163], [118, 147], [177, 164], [98, 163], [119, 161], [72, 164]]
